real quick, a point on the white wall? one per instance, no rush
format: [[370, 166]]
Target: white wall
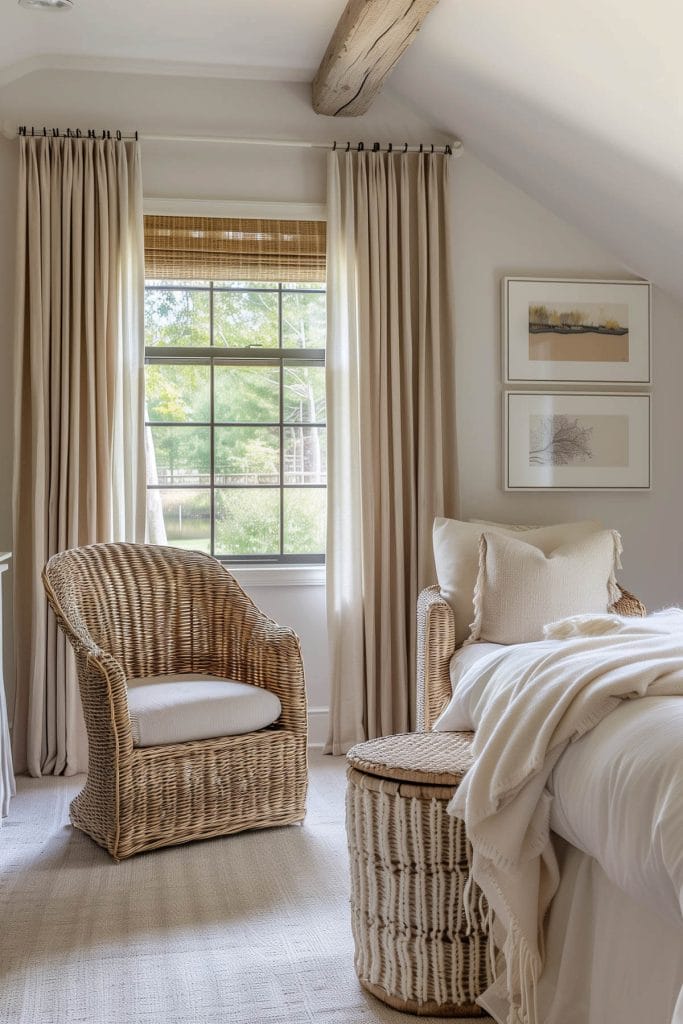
[[497, 230]]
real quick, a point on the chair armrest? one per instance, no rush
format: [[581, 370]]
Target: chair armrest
[[265, 654], [102, 687], [628, 604], [435, 648]]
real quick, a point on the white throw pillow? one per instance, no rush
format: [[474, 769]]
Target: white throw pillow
[[179, 708], [520, 589], [456, 555], [510, 527]]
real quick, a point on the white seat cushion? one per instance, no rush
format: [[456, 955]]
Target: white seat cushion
[[178, 708]]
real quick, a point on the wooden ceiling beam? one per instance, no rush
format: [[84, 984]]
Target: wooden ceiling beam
[[369, 39]]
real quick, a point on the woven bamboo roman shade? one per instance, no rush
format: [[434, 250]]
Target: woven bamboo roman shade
[[232, 249]]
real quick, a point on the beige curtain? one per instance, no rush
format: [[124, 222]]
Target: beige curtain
[[391, 426], [79, 473]]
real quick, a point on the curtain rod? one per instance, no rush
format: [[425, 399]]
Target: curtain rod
[[454, 147]]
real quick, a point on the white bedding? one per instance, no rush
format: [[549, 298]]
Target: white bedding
[[618, 793], [619, 797], [465, 657]]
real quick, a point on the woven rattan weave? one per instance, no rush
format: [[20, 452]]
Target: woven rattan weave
[[421, 942], [132, 610], [436, 647]]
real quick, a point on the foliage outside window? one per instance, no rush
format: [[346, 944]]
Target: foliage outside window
[[235, 398]]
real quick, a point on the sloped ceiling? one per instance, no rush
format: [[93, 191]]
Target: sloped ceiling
[[580, 103]]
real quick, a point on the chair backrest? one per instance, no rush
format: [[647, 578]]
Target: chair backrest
[[154, 609]]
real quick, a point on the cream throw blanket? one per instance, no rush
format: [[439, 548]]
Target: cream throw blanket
[[527, 703]]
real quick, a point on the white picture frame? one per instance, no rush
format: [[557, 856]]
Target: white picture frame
[[544, 319], [576, 441]]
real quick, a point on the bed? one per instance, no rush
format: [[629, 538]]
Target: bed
[[613, 933]]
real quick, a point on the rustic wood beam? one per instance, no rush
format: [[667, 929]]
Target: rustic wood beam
[[369, 39]]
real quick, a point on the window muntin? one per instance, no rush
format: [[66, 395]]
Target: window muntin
[[235, 391]]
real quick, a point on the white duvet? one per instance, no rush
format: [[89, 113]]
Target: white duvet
[[560, 744]]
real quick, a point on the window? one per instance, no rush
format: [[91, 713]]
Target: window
[[235, 399]]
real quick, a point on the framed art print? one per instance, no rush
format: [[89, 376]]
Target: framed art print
[[571, 441], [574, 331]]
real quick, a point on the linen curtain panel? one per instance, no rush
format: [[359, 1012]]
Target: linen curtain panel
[[79, 470], [391, 426]]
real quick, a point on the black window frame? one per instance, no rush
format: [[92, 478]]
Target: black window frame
[[251, 355]]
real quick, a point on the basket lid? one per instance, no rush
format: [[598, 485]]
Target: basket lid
[[436, 758]]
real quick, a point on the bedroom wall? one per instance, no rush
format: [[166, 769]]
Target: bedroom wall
[[497, 230]]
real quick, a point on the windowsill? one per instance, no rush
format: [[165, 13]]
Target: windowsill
[[279, 575]]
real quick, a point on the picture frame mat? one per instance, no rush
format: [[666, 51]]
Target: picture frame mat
[[520, 292], [518, 406]]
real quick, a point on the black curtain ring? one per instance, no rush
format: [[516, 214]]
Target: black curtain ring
[[361, 147], [334, 145], [390, 147], [448, 151], [432, 147], [421, 148], [405, 147], [348, 146], [375, 147]]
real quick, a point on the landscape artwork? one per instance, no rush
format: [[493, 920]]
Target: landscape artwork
[[576, 331], [576, 441], [560, 440], [592, 332]]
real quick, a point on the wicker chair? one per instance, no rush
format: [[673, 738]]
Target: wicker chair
[[436, 647], [133, 610]]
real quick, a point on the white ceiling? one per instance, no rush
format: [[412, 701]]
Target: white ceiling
[[288, 35], [579, 103]]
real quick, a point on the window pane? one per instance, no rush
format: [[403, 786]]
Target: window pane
[[304, 322], [247, 522], [181, 518], [178, 393], [305, 455], [247, 393], [245, 318], [176, 317], [179, 455], [304, 394], [305, 520], [247, 455]]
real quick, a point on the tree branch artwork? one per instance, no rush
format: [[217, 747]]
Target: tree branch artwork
[[558, 440]]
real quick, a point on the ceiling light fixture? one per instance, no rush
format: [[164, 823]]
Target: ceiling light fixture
[[47, 5]]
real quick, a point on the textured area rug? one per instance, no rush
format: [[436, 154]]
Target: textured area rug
[[251, 928]]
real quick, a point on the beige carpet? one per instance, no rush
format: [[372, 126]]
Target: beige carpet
[[251, 929]]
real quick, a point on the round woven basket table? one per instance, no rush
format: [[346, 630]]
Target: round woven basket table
[[410, 862]]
